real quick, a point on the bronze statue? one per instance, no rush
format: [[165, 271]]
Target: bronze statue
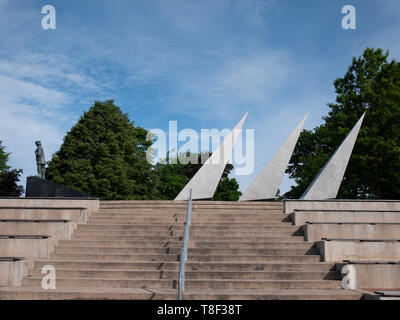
[[40, 161]]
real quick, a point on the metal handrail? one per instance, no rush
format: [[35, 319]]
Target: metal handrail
[[184, 250]]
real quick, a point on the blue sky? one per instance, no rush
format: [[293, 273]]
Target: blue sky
[[202, 63]]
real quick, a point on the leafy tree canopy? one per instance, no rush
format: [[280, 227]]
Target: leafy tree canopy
[[104, 155], [172, 178], [8, 178], [3, 158], [371, 84], [8, 183]]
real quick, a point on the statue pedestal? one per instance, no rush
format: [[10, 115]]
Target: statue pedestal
[[40, 188]]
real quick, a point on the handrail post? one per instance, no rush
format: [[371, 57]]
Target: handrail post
[[184, 250]]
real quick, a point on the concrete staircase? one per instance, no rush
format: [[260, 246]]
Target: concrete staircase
[[130, 250]]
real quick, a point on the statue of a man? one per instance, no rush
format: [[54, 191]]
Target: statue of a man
[[40, 161]]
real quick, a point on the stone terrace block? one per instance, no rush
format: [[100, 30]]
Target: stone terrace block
[[300, 217], [28, 246], [57, 229], [318, 230], [373, 274], [76, 215], [91, 204], [342, 249], [13, 270], [358, 205]]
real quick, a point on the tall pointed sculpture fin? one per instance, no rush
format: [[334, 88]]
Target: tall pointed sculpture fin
[[205, 181], [327, 183], [266, 184]]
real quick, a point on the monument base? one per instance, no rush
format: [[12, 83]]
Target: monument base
[[40, 188]]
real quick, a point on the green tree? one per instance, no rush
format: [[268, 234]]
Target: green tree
[[104, 155], [8, 178], [227, 189], [3, 158], [172, 178], [371, 84], [8, 183]]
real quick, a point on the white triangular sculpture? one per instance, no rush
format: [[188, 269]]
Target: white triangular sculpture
[[266, 184], [205, 181], [327, 183]]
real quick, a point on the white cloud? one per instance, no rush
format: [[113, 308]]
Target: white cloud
[[13, 90], [46, 70], [239, 84], [254, 79]]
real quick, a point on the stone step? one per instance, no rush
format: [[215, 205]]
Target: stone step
[[192, 244], [89, 237], [251, 245], [191, 275], [189, 284], [195, 214], [159, 211], [193, 227], [275, 294], [163, 214], [175, 257], [199, 202], [195, 206], [113, 250], [238, 208], [115, 233], [29, 293], [261, 238], [195, 202], [192, 251], [254, 258], [181, 220], [190, 266], [183, 212], [104, 283], [193, 233], [81, 293], [142, 212], [116, 257]]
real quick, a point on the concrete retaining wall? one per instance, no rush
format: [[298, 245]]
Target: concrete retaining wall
[[338, 251], [315, 232], [26, 248], [76, 215], [299, 218], [381, 205], [57, 230], [368, 276], [91, 204], [13, 272]]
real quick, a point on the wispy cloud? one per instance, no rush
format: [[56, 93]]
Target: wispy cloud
[[237, 84], [14, 90]]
